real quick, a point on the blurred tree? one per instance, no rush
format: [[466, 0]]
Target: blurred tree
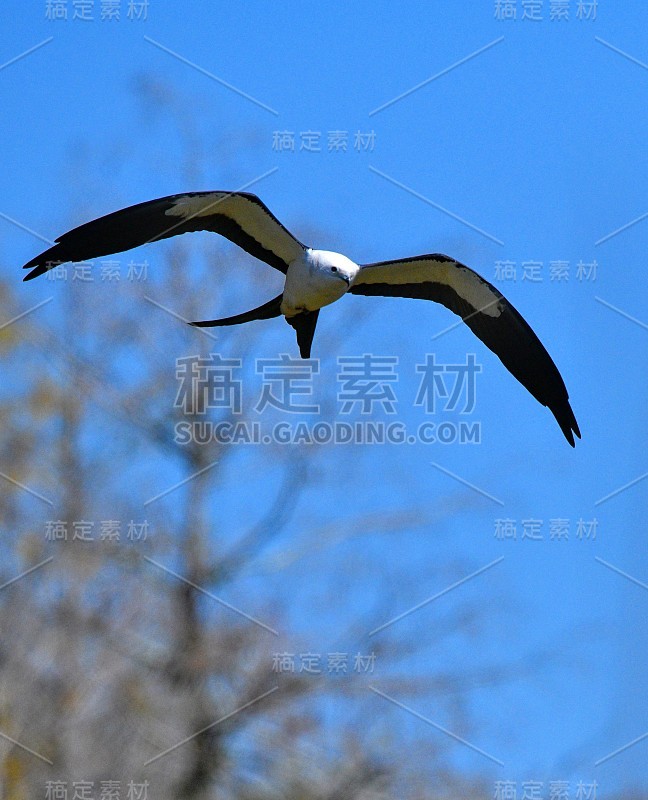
[[139, 657]]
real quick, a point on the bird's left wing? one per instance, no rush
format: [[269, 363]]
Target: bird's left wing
[[487, 313], [240, 217]]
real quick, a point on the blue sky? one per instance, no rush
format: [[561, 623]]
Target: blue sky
[[537, 144]]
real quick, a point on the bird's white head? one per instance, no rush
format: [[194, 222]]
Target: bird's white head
[[334, 266], [315, 279]]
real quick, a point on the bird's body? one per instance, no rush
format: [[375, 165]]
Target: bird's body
[[317, 278]]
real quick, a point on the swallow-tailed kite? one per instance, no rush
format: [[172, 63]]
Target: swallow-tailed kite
[[316, 278]]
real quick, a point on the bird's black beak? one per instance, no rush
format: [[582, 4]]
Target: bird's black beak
[[345, 278]]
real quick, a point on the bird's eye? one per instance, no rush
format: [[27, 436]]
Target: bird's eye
[[333, 269]]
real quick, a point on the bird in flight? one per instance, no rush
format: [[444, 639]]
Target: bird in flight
[[316, 278]]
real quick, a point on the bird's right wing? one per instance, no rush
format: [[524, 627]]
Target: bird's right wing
[[240, 217], [487, 313]]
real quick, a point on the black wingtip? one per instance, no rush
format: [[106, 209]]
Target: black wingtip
[[43, 262], [567, 421], [34, 261], [40, 270]]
